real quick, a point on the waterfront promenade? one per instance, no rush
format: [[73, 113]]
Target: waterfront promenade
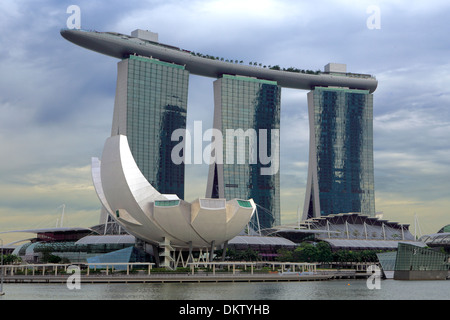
[[168, 278], [211, 272]]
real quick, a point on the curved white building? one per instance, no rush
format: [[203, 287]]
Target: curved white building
[[161, 218]]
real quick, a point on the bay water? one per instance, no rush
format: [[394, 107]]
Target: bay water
[[350, 289]]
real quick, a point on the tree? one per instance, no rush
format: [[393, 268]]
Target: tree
[[249, 255], [285, 255], [324, 252], [276, 67], [246, 255], [11, 259], [48, 257], [306, 252]]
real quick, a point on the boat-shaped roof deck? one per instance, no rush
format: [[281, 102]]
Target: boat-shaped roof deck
[[121, 46]]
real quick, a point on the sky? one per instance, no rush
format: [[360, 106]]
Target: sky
[[56, 99]]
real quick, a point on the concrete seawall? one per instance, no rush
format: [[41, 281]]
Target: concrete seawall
[[186, 278], [167, 278]]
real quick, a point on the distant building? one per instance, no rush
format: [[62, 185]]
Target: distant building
[[439, 240], [80, 250], [350, 231], [410, 262], [444, 229]]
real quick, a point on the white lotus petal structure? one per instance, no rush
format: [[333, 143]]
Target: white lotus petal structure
[[154, 217]]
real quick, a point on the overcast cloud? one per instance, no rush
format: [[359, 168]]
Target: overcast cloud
[[56, 99]]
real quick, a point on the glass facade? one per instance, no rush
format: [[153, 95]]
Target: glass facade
[[248, 105], [167, 203], [342, 152], [412, 258], [387, 260], [130, 254], [156, 105]]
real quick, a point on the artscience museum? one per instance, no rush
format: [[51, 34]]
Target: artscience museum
[[162, 220]]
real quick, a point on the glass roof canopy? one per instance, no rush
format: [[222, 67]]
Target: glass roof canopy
[[436, 239]]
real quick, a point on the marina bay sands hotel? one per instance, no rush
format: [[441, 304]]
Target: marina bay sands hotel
[[151, 103]]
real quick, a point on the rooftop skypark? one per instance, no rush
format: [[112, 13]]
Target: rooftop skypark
[[121, 46], [251, 63]]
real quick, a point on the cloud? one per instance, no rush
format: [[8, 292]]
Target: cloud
[[402, 207], [50, 187], [56, 99], [34, 200]]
